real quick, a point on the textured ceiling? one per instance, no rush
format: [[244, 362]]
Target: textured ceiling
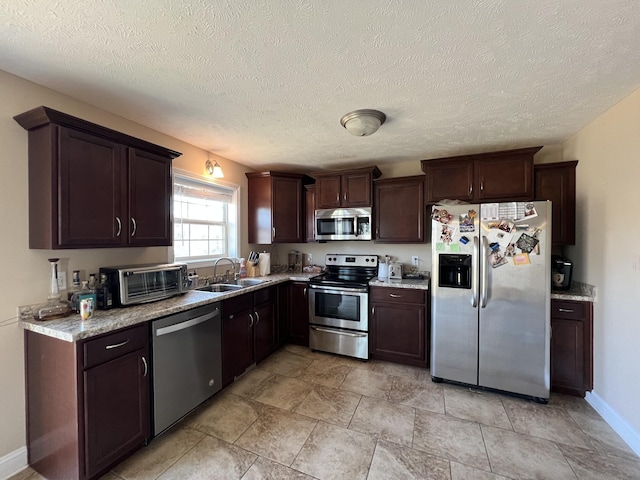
[[265, 83]]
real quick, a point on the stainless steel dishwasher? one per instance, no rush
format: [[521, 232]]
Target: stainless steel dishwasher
[[187, 362]]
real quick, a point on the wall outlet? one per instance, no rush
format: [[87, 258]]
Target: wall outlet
[[62, 280], [415, 260]]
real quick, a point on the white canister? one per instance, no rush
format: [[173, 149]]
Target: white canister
[[383, 271], [395, 271]]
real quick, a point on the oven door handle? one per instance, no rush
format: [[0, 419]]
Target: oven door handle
[[338, 289], [338, 332]]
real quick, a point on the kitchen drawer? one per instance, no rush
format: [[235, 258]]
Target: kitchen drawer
[[398, 295], [234, 305], [569, 309], [264, 295], [115, 345]]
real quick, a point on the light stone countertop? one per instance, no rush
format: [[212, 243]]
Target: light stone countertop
[[404, 283], [580, 292], [73, 328]]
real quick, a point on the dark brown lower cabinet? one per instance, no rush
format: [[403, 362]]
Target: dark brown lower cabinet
[[249, 331], [298, 313], [399, 325], [571, 347], [265, 329], [87, 402]]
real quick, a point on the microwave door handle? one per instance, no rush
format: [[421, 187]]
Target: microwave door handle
[[355, 225]]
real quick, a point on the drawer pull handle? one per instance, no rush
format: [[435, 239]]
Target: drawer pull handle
[[393, 295], [109, 347], [337, 332], [146, 367], [565, 310]]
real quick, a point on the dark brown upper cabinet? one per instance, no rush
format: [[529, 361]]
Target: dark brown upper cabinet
[[310, 212], [557, 182], [346, 188], [486, 177], [92, 187], [399, 210], [275, 207]]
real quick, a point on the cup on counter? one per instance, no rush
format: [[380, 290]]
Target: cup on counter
[[87, 304], [558, 279]]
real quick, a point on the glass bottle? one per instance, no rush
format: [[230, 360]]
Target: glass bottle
[[103, 293]]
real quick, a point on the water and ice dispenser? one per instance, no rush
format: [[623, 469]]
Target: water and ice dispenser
[[454, 271]]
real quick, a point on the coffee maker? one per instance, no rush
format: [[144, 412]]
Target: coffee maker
[[561, 270]]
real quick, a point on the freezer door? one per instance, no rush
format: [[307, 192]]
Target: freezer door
[[514, 335], [454, 300]]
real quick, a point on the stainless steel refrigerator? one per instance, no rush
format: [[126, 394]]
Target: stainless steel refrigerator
[[491, 286]]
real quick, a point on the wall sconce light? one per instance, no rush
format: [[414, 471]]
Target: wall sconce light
[[213, 169], [363, 122]]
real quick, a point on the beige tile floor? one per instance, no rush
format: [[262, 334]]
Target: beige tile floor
[[304, 415]]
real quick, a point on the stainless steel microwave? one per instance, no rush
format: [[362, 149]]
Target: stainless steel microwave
[[134, 284], [343, 224]]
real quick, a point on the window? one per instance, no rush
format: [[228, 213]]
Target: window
[[205, 220]]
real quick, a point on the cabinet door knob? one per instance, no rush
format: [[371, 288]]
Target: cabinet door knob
[[119, 226], [470, 189], [482, 186], [338, 198], [134, 226], [146, 367]]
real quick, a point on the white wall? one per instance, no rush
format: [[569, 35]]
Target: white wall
[[24, 278], [607, 251]]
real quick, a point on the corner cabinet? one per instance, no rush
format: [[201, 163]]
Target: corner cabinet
[[346, 188], [571, 347], [399, 325], [557, 182], [92, 187], [275, 207], [399, 210], [87, 402], [298, 313], [487, 177]]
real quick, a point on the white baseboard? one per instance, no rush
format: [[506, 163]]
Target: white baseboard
[[13, 462], [615, 421]]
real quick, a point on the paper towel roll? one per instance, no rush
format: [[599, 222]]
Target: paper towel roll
[[264, 263]]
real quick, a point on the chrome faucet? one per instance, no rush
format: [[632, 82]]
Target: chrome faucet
[[226, 275]]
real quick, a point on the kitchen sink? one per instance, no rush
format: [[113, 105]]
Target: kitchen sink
[[219, 287], [248, 282]]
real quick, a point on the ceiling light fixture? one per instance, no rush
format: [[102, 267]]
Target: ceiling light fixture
[[363, 122], [213, 169]]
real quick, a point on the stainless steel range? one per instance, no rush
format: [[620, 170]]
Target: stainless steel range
[[339, 305]]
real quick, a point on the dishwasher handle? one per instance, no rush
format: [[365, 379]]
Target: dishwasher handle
[[188, 323]]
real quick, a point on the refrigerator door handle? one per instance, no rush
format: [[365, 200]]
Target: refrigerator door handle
[[483, 271], [474, 278]]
